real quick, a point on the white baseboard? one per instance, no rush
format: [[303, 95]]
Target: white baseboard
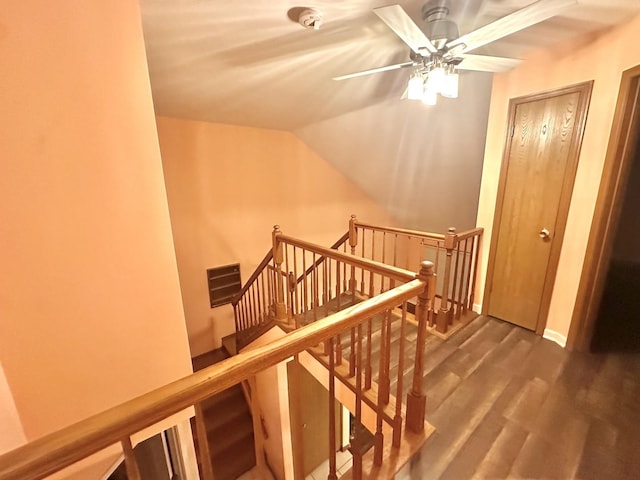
[[555, 337], [477, 307]]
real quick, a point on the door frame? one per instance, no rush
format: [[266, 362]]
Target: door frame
[[625, 134], [584, 91]]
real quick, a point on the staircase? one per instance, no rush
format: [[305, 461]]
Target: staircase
[[229, 426], [370, 349]]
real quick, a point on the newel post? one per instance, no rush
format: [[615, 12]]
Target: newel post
[[442, 319], [416, 399], [353, 241], [281, 313]]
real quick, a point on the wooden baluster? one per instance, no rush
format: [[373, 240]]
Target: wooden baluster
[[455, 305], [362, 270], [203, 444], [373, 252], [385, 383], [259, 301], [277, 258], [442, 321], [406, 257], [416, 400], [338, 297], [432, 312], [330, 280], [130, 462], [344, 272], [373, 245], [353, 241], [243, 305], [367, 366], [358, 427], [325, 285], [352, 354], [464, 280], [384, 256], [397, 420], [286, 271], [272, 301], [247, 311], [395, 250], [254, 305], [291, 284], [332, 415], [296, 300], [476, 253], [339, 338], [314, 286], [247, 308], [305, 287], [265, 303], [236, 320], [378, 440]]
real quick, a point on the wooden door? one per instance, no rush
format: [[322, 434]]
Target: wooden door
[[312, 439], [537, 177]]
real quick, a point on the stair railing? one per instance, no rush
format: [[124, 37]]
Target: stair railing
[[254, 306], [454, 255], [54, 452], [329, 284]]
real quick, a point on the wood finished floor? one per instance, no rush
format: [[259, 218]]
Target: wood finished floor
[[508, 404]]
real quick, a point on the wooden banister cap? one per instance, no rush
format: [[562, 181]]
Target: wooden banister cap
[[426, 267]]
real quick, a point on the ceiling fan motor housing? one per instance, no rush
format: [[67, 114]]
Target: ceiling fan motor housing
[[437, 27]]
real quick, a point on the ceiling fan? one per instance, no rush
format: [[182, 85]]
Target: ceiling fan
[[439, 52]]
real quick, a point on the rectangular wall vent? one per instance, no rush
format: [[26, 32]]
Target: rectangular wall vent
[[224, 284]]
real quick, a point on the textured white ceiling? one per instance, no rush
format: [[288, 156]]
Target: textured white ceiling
[[245, 62]]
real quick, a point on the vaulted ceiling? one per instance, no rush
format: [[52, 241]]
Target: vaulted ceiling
[[246, 62]]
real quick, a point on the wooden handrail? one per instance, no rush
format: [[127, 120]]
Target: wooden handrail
[[469, 233], [369, 265], [261, 266], [65, 447], [319, 262], [403, 231]]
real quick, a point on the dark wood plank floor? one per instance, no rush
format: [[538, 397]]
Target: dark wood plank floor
[[508, 404]]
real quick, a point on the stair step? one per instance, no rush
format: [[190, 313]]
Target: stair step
[[208, 358], [220, 401], [229, 433], [235, 462]]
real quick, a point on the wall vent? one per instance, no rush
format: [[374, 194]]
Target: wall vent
[[224, 283]]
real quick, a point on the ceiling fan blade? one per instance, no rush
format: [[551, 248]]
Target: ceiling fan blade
[[374, 70], [397, 20], [485, 63], [518, 20]]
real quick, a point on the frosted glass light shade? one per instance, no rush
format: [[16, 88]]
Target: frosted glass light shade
[[429, 96], [436, 79], [450, 86]]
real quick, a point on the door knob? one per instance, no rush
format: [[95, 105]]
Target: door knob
[[544, 234]]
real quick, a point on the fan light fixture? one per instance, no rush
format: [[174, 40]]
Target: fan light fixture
[[438, 51], [426, 83]]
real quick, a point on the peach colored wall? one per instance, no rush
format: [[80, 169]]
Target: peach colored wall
[[602, 58], [272, 391], [227, 186], [12, 434], [89, 291]]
